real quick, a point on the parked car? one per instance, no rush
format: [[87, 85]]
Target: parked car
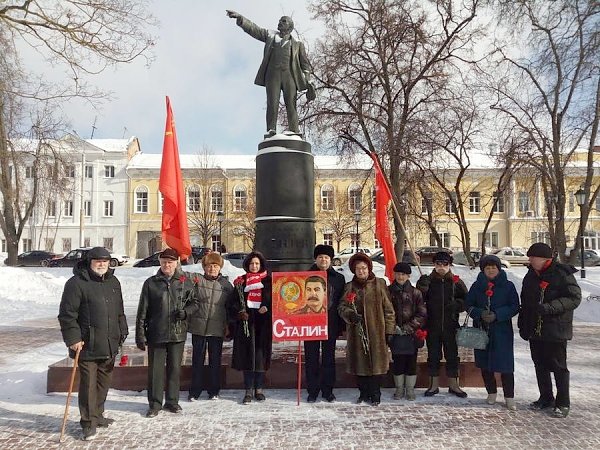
[[426, 254], [512, 255], [199, 252], [148, 261], [461, 259], [407, 257], [74, 256], [590, 258], [345, 255], [236, 259], [34, 258]]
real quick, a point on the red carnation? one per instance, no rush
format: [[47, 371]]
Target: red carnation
[[124, 360], [489, 292], [182, 279], [421, 334], [490, 285], [544, 285], [196, 280], [455, 279], [351, 297]]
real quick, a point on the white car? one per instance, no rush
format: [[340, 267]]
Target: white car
[[512, 255], [345, 255], [120, 259]]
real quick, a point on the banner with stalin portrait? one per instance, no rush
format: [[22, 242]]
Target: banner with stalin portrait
[[299, 306]]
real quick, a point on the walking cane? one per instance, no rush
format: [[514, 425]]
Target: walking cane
[[73, 371]]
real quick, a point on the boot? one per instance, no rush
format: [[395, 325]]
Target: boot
[[434, 387], [247, 397], [399, 382], [411, 381], [511, 405], [453, 388], [491, 398]]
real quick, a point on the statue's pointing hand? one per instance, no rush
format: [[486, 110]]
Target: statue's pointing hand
[[232, 14]]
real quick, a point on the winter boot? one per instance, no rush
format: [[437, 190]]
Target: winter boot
[[247, 397], [434, 387], [399, 382], [511, 405], [454, 389], [491, 398], [411, 381]]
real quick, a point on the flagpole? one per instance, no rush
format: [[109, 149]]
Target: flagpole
[[395, 210]]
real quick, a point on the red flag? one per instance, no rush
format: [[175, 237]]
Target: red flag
[[383, 196], [175, 230]]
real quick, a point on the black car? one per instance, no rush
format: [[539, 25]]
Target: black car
[[148, 261], [426, 254], [236, 259], [407, 257], [74, 256], [152, 260], [34, 258], [199, 252]]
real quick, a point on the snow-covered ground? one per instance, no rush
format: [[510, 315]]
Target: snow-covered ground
[[28, 294]]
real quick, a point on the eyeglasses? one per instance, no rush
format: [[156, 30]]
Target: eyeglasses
[[441, 263]]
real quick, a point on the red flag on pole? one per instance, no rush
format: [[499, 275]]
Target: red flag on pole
[[175, 230], [383, 196]]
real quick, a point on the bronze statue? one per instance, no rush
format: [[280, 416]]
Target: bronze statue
[[284, 67]]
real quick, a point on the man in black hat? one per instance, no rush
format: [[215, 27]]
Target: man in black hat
[[320, 355], [444, 294], [549, 295], [92, 321], [166, 300]]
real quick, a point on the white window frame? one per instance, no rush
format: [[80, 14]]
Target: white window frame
[[327, 197], [68, 208], [354, 197], [193, 194], [216, 199], [141, 200], [474, 202], [109, 208], [109, 171], [240, 198]]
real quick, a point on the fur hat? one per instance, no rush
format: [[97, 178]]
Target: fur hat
[[98, 253], [490, 260], [323, 249], [212, 258], [169, 253], [540, 249], [255, 254], [443, 257], [360, 257], [403, 267]]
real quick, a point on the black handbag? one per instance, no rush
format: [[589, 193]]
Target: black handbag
[[471, 337], [403, 344]]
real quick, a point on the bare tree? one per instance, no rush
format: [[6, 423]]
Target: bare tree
[[83, 36]]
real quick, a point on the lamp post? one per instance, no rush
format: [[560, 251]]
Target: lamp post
[[581, 197], [220, 218], [357, 215]]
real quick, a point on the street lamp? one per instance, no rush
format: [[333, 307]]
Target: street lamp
[[220, 218], [581, 197], [357, 215]]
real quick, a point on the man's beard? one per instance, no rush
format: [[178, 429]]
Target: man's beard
[[98, 273]]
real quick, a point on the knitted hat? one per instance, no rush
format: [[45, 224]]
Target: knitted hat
[[212, 258], [169, 253], [443, 257], [360, 257], [323, 249], [98, 253], [403, 267], [540, 249], [490, 260]]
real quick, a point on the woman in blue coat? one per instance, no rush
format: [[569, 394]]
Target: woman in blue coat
[[492, 302]]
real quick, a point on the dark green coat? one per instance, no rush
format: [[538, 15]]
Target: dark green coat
[[91, 310]]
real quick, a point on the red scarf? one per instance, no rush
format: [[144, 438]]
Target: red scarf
[[254, 287]]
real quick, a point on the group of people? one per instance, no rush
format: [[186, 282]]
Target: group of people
[[377, 318]]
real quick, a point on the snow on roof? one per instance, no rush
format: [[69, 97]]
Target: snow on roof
[[111, 145]]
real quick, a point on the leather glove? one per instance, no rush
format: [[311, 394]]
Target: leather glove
[[141, 345], [243, 315], [180, 314], [488, 316], [389, 338], [354, 317]]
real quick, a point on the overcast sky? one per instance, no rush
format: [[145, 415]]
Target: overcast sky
[[206, 65]]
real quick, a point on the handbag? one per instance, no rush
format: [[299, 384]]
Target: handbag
[[471, 337], [402, 344]]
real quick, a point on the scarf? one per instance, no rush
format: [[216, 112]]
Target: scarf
[[254, 287]]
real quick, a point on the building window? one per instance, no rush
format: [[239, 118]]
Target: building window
[[445, 239], [328, 238], [571, 201], [474, 202], [27, 245], [161, 202], [524, 202], [327, 192], [141, 199], [66, 244], [373, 199], [70, 171], [354, 198], [52, 208], [376, 243], [49, 244], [89, 172], [193, 198], [240, 198], [29, 171], [216, 199], [107, 243], [109, 208], [3, 245], [499, 204], [540, 236], [215, 243], [68, 212], [426, 203], [491, 239], [86, 242], [109, 171], [87, 208], [450, 203]]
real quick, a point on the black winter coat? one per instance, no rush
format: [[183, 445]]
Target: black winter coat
[[561, 297], [444, 299], [91, 310], [251, 352], [335, 289], [160, 299], [409, 306]]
